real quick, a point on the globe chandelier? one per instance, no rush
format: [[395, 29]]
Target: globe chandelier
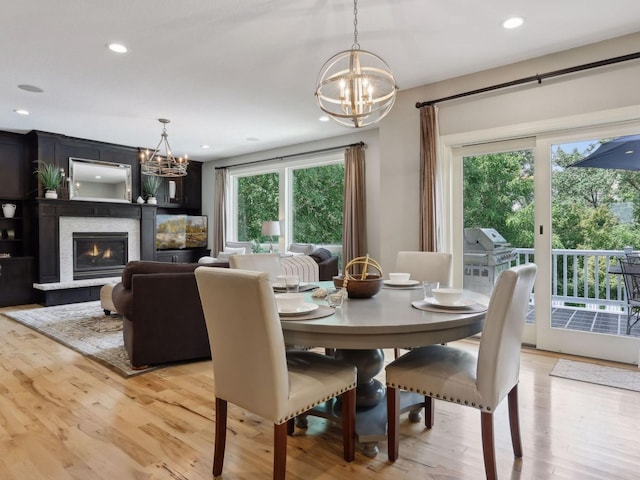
[[159, 165], [355, 87]]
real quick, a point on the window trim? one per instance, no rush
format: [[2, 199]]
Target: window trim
[[284, 169]]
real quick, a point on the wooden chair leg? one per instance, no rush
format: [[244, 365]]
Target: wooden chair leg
[[280, 451], [349, 424], [393, 414], [429, 412], [514, 421], [291, 426], [488, 445], [220, 436], [396, 352]]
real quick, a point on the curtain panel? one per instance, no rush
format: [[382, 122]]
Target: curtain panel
[[219, 208], [354, 241], [428, 162]]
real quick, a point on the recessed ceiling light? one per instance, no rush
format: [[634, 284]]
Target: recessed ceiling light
[[117, 47], [30, 88], [21, 111], [513, 22], [324, 118], [205, 146]]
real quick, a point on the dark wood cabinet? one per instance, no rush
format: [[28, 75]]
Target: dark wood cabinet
[[14, 166], [29, 239], [182, 256], [12, 230], [16, 281], [188, 190], [16, 266]]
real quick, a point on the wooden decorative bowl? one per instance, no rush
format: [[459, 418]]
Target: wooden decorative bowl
[[360, 288], [360, 285]]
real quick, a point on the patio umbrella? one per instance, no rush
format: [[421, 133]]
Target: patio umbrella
[[622, 153]]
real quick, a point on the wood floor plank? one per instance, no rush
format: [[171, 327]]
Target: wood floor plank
[[63, 416]]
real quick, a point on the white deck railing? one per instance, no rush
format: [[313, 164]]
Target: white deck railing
[[583, 278]]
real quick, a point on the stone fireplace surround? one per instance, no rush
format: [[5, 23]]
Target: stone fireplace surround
[[70, 225], [58, 219]]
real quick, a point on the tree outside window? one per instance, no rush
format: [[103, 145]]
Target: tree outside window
[[257, 199], [312, 213], [318, 195]]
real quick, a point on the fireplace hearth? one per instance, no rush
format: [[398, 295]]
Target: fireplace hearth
[[99, 254]]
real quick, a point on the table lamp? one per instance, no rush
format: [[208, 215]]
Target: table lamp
[[271, 228]]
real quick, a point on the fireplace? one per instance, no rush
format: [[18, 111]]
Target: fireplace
[[99, 254]]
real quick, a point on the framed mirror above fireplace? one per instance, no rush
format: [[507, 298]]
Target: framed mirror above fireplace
[[96, 181]]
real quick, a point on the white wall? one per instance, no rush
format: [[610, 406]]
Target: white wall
[[392, 155]]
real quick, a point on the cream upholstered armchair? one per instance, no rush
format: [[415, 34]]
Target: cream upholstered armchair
[[425, 266], [258, 262], [252, 370], [481, 381]]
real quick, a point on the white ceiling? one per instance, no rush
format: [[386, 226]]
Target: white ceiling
[[239, 75]]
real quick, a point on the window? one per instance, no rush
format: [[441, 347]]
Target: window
[[305, 195]]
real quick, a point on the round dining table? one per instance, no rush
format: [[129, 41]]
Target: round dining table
[[396, 317]]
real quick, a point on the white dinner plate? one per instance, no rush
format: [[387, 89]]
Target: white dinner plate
[[462, 303], [301, 310], [282, 286], [408, 283]]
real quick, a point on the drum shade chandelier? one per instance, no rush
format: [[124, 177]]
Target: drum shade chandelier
[[356, 88], [160, 165]]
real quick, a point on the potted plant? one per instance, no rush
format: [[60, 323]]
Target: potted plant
[[150, 186], [50, 177]]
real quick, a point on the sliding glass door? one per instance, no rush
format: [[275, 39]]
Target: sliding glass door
[[572, 222], [594, 214], [497, 212]]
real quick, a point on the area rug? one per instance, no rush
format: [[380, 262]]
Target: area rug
[[84, 328], [598, 374]]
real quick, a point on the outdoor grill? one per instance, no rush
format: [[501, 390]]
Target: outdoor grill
[[486, 254]]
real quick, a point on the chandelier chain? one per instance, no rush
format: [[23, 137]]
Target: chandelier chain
[[356, 45]]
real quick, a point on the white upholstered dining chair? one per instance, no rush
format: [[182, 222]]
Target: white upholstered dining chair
[[425, 267], [480, 381], [253, 371], [259, 262]]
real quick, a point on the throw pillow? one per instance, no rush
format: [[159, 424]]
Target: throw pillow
[[320, 254], [305, 248], [224, 256], [206, 259], [239, 250]]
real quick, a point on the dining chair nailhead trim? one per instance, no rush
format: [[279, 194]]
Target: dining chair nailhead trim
[[438, 396], [309, 407]]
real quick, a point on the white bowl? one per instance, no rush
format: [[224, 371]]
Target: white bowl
[[399, 277], [447, 296], [289, 302]]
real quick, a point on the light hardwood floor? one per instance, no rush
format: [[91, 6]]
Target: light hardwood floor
[[63, 416]]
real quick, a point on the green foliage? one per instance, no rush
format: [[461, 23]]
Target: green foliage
[[50, 175], [257, 202], [318, 196], [592, 209], [498, 193], [150, 185], [317, 204]]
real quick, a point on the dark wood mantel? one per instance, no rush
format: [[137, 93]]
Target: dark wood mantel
[[50, 211]]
